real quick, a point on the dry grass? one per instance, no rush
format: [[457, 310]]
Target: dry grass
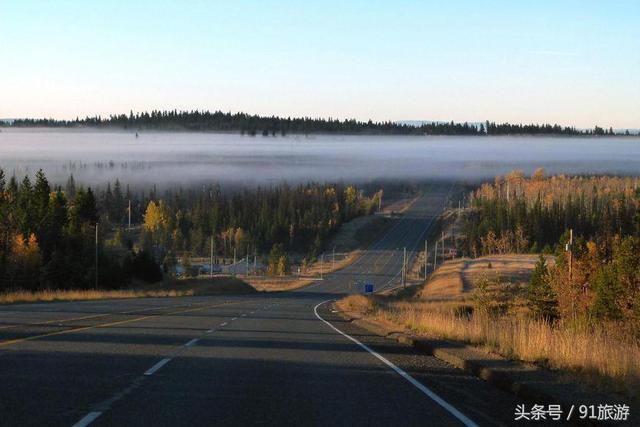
[[443, 308], [598, 355], [176, 288], [511, 268], [446, 283], [275, 284], [456, 280], [576, 349], [310, 275], [342, 261], [79, 295]]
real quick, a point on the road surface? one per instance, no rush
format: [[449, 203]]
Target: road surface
[[268, 359]]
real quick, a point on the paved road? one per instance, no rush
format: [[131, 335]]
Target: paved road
[[257, 359]]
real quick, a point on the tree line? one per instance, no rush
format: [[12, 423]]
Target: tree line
[[54, 237], [273, 125], [278, 219], [595, 277]]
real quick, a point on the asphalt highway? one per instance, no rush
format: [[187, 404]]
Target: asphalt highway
[[263, 359]]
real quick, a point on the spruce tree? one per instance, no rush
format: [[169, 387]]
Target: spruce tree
[[542, 300]]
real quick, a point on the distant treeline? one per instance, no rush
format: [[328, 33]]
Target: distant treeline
[[266, 126]]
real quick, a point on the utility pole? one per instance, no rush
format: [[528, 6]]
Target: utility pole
[[129, 214], [211, 259], [404, 266], [321, 261], [96, 255], [333, 260], [247, 262], [234, 262], [435, 256], [443, 246], [426, 258], [380, 202], [255, 261]]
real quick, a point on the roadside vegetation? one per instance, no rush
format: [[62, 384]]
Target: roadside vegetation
[[75, 238], [520, 291], [172, 288], [596, 278]]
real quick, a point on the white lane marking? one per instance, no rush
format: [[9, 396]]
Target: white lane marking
[[235, 318], [157, 366], [433, 396], [210, 331], [192, 342], [244, 314], [87, 419], [223, 324]]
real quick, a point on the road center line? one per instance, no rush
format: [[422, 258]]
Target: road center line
[[87, 419], [105, 325], [424, 389], [157, 366]]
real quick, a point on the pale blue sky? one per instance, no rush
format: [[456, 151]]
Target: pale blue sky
[[572, 62]]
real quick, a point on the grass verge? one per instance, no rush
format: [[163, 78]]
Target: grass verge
[[596, 355], [177, 288]]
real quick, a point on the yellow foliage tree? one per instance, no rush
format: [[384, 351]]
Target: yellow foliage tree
[[154, 217], [25, 260]]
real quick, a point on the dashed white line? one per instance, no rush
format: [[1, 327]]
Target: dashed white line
[[235, 318], [424, 389], [210, 331], [157, 366], [87, 419], [244, 314], [192, 342], [223, 324]]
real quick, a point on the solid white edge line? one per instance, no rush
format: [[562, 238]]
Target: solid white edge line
[[157, 366], [87, 419], [424, 389], [192, 342]]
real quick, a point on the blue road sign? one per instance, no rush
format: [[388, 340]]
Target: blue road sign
[[368, 288]]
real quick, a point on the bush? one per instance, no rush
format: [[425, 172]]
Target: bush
[[143, 267]]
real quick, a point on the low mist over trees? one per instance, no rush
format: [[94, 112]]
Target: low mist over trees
[[271, 126]]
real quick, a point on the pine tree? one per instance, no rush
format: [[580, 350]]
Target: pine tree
[[542, 299]]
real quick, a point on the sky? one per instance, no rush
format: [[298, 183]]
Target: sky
[[568, 62]]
